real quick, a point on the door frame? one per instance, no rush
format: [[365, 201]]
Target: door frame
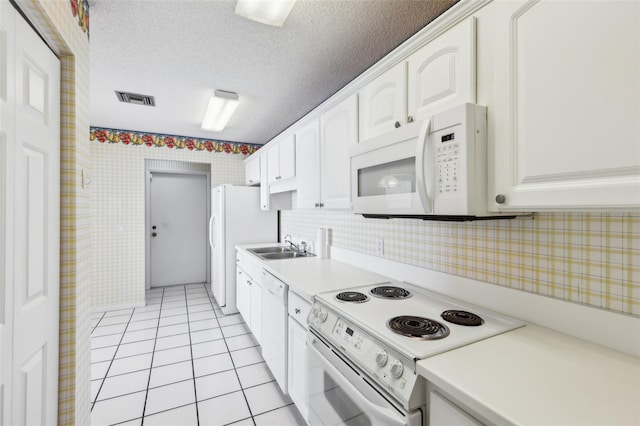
[[170, 167]]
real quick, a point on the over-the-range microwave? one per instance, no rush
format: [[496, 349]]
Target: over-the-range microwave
[[435, 169]]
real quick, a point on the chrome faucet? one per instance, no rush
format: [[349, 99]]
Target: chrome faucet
[[295, 247]]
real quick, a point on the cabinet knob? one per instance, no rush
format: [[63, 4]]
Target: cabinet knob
[[321, 204], [397, 124], [409, 119], [297, 310], [316, 205], [154, 234], [249, 282], [250, 180], [500, 199]]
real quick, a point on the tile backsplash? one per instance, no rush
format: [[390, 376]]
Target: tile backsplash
[[587, 258]]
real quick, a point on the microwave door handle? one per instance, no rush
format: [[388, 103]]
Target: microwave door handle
[[424, 167]]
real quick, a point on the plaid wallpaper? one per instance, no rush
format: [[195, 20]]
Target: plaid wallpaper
[[587, 258]]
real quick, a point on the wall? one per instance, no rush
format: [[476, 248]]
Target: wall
[[64, 25], [118, 209], [587, 258]]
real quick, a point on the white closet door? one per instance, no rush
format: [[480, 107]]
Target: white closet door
[[7, 132], [32, 147]]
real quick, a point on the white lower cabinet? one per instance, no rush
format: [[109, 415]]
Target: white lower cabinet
[[443, 412], [249, 295], [297, 352]]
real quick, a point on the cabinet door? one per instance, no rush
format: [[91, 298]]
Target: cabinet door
[[338, 131], [297, 369], [256, 311], [442, 74], [273, 164], [252, 170], [383, 103], [442, 412], [308, 166], [287, 157], [243, 296], [567, 102]]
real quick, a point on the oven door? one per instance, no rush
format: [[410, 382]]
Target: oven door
[[340, 395]]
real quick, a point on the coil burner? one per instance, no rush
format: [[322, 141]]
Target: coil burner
[[418, 327], [462, 318], [352, 296], [390, 292]]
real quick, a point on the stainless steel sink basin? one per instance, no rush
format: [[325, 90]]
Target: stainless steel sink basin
[[285, 255], [261, 250]]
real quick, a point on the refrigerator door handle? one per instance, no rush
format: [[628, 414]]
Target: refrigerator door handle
[[211, 239]]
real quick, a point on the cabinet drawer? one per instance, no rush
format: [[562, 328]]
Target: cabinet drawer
[[299, 308], [252, 269]]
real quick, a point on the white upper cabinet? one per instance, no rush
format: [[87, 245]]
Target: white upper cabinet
[[338, 132], [281, 163], [322, 157], [566, 104], [442, 74], [438, 76], [383, 103], [252, 170], [308, 165]]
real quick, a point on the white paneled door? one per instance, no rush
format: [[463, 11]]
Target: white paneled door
[[178, 229], [29, 223]]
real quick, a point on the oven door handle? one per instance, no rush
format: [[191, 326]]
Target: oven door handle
[[387, 416]]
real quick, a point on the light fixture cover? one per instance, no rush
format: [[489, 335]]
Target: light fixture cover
[[221, 106], [270, 12]]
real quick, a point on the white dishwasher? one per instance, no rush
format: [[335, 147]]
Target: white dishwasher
[[274, 327]]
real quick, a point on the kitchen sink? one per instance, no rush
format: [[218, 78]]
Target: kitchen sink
[[262, 250], [285, 255]]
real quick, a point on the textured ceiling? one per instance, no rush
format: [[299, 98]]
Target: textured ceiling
[[180, 51]]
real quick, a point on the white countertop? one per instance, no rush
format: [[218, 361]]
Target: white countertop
[[536, 376], [309, 276]]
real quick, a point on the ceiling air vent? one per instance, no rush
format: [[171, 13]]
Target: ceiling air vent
[[135, 98]]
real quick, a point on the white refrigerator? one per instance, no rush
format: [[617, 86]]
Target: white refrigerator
[[236, 219]]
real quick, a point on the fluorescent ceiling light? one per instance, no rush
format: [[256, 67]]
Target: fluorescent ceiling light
[[270, 12], [220, 109]]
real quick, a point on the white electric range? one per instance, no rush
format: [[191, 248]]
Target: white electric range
[[364, 343]]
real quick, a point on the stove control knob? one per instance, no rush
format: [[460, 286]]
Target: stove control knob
[[322, 315], [396, 369], [381, 358]]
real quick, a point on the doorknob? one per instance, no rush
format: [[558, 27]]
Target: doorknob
[[154, 234]]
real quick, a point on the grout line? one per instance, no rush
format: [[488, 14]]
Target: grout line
[[193, 368], [146, 395], [93, 404], [269, 411]]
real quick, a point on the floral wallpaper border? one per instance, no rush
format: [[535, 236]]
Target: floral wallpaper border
[[129, 137], [80, 10]]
